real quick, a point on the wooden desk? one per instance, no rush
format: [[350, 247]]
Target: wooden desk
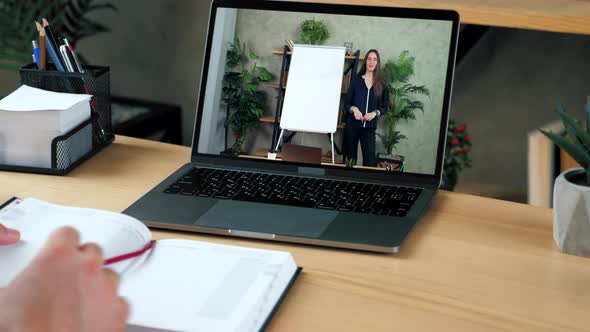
[[571, 16], [472, 264]]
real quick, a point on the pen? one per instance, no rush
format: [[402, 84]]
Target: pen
[[36, 54], [64, 53], [52, 39], [74, 55], [134, 254]]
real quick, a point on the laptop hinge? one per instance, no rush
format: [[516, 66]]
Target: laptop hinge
[[311, 171]]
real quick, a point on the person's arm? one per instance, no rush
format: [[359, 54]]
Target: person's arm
[[65, 289], [384, 106], [348, 106], [8, 236], [349, 96]]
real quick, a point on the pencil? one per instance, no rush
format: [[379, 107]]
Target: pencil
[[42, 46], [52, 40]]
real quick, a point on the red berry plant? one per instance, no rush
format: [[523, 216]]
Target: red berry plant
[[456, 153]]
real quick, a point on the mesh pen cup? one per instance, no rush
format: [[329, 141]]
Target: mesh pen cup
[[85, 140]]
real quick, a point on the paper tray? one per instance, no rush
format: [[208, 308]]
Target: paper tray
[[67, 151]]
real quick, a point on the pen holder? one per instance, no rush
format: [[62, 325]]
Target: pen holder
[[88, 138]]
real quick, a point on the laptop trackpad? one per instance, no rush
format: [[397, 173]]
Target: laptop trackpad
[[267, 218]]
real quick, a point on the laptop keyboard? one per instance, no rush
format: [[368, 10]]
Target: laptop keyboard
[[296, 191]]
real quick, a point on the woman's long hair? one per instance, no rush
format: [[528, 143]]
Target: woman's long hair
[[378, 77]]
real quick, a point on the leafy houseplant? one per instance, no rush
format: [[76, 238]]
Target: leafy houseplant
[[245, 104], [571, 192], [313, 32], [67, 18], [349, 162], [456, 154], [402, 101]]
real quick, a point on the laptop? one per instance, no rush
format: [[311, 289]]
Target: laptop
[[235, 186]]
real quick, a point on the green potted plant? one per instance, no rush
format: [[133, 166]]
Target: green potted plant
[[313, 32], [245, 103], [571, 191], [403, 103], [349, 162], [67, 17], [457, 151]]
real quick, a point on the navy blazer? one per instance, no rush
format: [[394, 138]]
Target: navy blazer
[[357, 96]]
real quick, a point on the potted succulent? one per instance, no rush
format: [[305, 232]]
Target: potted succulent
[[456, 154], [571, 192], [402, 106], [313, 32], [244, 102]]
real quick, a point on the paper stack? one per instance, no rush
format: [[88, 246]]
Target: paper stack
[[31, 118]]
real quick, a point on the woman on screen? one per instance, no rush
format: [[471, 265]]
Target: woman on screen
[[366, 101]]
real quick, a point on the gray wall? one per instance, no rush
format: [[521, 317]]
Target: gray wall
[[506, 87], [155, 51], [212, 133], [427, 40]]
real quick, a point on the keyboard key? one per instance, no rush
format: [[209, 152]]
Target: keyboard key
[[381, 211], [362, 209], [173, 190], [327, 204], [222, 194], [398, 213]]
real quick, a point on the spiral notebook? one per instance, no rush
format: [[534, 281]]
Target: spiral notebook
[[177, 285]]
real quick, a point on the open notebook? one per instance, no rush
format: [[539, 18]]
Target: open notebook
[[178, 285]]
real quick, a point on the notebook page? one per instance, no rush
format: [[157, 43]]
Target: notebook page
[[281, 276], [116, 233], [184, 285]]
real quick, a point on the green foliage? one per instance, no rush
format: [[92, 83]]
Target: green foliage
[[402, 101], [349, 162], [244, 102], [313, 32], [457, 150], [577, 142], [67, 18], [391, 139], [233, 56], [401, 70]]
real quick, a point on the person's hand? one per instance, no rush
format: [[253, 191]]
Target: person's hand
[[369, 116], [8, 236], [357, 113], [65, 288]]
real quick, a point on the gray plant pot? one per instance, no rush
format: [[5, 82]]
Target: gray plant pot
[[571, 214]]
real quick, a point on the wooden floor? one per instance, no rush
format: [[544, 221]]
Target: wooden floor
[[571, 16]]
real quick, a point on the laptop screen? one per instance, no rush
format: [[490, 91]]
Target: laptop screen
[[348, 91]]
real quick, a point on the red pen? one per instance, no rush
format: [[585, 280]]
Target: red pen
[[127, 256]]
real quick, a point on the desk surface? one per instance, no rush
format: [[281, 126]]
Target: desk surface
[[572, 16], [472, 264]]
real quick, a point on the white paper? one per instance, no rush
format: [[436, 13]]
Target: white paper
[[116, 233], [314, 86], [27, 99], [178, 285], [185, 285], [31, 118]]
